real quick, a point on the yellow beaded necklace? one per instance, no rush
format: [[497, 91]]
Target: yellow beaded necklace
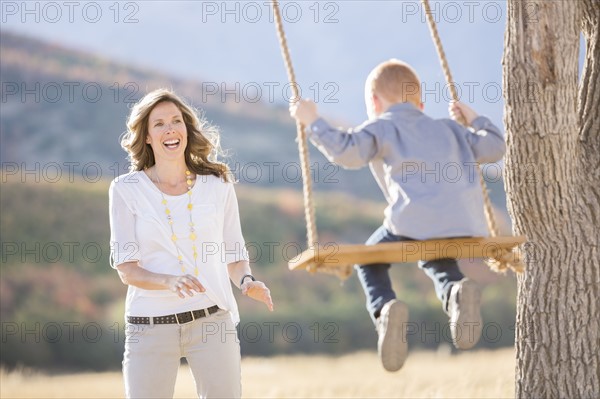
[[190, 206]]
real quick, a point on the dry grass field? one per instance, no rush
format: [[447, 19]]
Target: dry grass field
[[480, 374]]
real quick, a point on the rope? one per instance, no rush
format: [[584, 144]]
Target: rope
[[309, 208], [505, 259], [441, 54]]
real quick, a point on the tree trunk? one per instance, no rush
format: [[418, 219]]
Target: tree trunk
[[552, 179]]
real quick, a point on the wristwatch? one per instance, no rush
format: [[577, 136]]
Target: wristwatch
[[243, 278]]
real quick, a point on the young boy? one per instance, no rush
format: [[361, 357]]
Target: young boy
[[427, 170]]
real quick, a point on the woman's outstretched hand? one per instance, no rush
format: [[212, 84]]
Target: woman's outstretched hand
[[258, 291]]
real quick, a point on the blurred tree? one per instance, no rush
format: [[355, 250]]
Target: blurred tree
[[553, 189]]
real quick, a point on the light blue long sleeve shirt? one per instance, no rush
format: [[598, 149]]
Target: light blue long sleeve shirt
[[426, 168]]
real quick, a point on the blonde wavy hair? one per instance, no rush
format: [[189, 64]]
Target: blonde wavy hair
[[202, 150]]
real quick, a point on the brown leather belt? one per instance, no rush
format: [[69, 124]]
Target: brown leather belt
[[178, 318]]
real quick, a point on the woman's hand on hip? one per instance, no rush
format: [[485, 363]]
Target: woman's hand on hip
[[185, 284], [258, 291]]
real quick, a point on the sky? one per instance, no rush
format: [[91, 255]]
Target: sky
[[334, 44]]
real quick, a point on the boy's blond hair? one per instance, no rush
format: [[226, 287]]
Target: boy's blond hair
[[396, 82]]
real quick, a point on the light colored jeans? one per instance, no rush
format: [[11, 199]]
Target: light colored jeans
[[210, 346]]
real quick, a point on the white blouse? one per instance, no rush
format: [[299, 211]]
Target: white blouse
[[139, 230]]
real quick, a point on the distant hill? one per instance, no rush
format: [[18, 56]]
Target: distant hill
[[61, 105], [54, 216], [65, 106]]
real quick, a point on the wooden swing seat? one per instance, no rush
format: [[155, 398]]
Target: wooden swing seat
[[334, 255]]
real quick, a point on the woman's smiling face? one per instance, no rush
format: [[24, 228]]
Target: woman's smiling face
[[167, 133]]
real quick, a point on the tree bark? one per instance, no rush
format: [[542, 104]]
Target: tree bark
[[552, 179]]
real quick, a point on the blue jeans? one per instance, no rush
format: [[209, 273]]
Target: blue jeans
[[376, 283]]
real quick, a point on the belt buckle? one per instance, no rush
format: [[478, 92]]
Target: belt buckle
[[177, 318]]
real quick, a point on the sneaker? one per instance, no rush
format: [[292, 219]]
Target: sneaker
[[391, 327], [465, 317]]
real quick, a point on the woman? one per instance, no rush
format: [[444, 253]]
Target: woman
[[176, 241]]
